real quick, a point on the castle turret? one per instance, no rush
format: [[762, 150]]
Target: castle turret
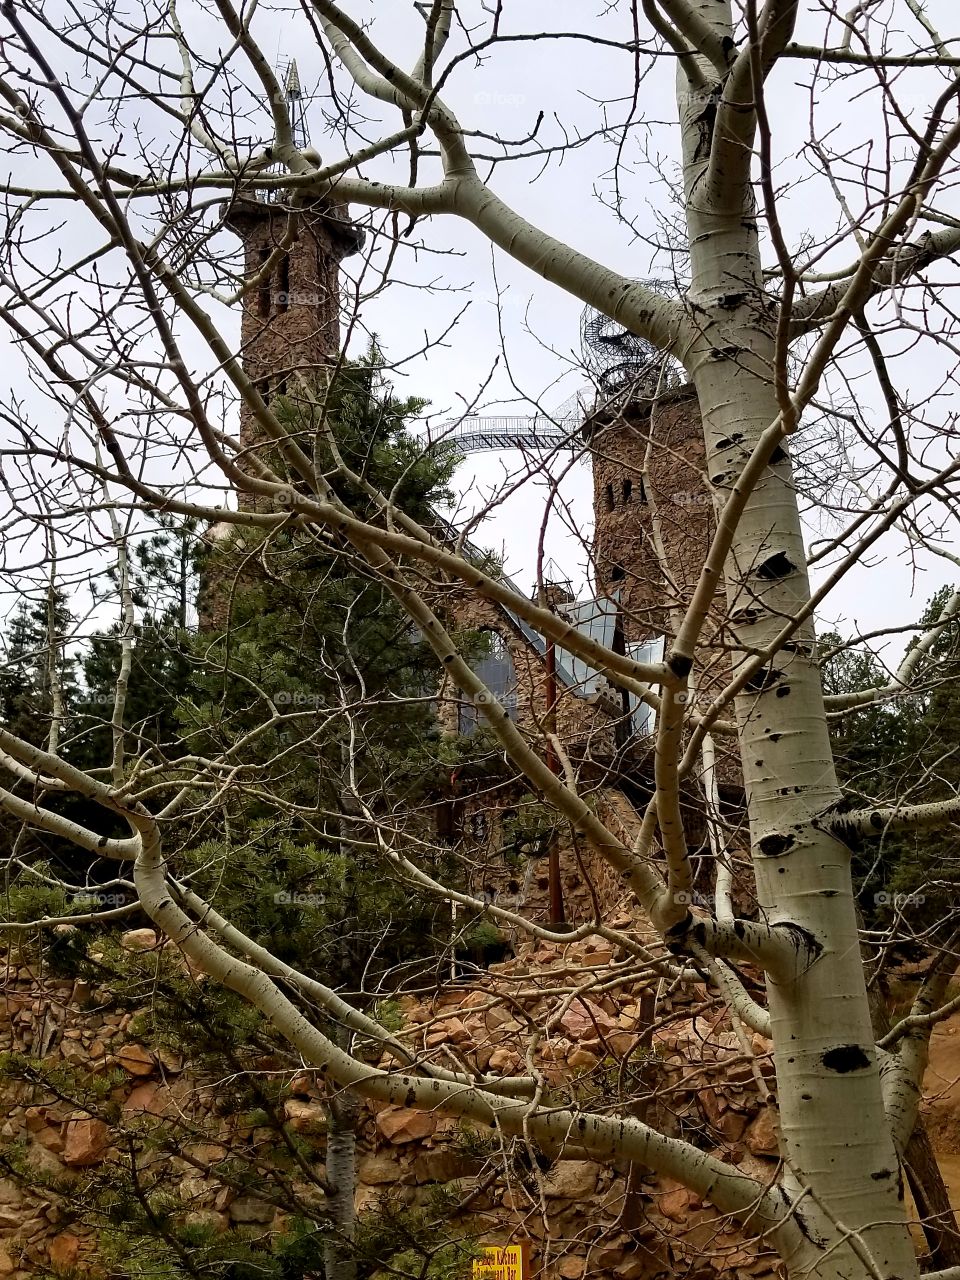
[[290, 323], [653, 509], [290, 318]]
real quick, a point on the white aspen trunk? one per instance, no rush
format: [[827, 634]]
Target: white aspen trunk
[[341, 1176], [842, 1173]]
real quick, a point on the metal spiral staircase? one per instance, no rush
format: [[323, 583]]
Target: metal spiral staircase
[[620, 366]]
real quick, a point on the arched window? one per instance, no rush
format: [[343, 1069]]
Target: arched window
[[263, 293], [478, 826], [609, 495], [283, 293], [627, 489], [495, 668]]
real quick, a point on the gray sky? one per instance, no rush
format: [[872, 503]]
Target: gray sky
[[516, 343]]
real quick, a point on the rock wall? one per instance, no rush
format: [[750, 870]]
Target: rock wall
[[599, 1220], [599, 1029]]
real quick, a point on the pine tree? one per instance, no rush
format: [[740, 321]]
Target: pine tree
[[315, 634], [164, 569], [36, 666]]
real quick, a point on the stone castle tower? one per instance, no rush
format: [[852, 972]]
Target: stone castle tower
[[290, 323], [290, 317], [653, 511]]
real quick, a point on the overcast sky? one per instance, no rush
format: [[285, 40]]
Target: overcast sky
[[516, 342], [536, 325]]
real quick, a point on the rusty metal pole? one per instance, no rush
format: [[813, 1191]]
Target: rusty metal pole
[[557, 915]]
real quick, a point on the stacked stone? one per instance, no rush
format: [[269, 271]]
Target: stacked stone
[[688, 1074]]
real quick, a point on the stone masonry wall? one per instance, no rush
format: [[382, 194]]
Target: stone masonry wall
[[602, 1221], [602, 1033], [290, 322]]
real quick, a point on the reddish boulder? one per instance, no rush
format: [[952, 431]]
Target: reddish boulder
[[761, 1134], [64, 1250], [86, 1142], [402, 1124], [136, 1060], [585, 1020]]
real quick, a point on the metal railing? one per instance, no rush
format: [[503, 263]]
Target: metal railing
[[478, 434]]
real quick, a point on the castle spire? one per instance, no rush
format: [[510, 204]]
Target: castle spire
[[296, 106]]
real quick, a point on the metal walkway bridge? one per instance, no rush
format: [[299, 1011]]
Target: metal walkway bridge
[[474, 434]]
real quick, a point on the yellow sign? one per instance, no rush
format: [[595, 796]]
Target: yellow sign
[[503, 1262]]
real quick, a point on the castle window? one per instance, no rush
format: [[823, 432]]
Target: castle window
[[627, 489], [263, 387], [610, 499], [478, 826], [643, 491], [263, 293], [617, 573], [283, 294], [449, 821], [281, 387], [497, 672]]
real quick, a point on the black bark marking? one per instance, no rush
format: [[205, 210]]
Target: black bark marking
[[846, 1058], [775, 845], [783, 691], [763, 679], [847, 834], [745, 617], [777, 566], [677, 931], [779, 455], [680, 665], [803, 940], [882, 1175], [705, 122]]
